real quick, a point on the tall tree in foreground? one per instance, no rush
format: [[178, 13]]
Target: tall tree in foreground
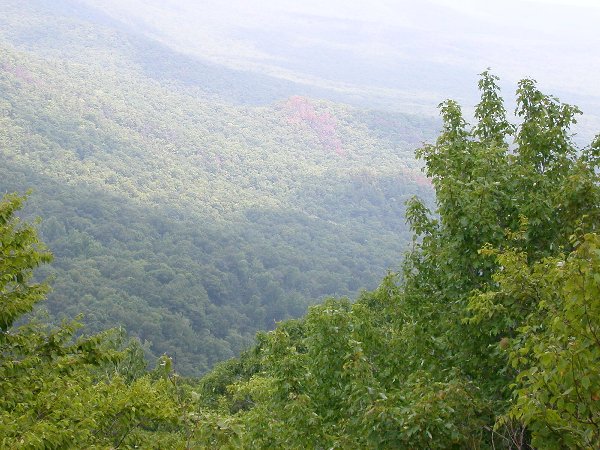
[[538, 198], [489, 336]]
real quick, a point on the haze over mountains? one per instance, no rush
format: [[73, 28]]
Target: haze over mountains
[[205, 169], [401, 54]]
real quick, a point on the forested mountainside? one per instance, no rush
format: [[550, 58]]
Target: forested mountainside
[[487, 338], [192, 204]]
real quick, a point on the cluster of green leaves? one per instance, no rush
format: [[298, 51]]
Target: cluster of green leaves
[[488, 338], [190, 221], [59, 391], [556, 349], [338, 379]]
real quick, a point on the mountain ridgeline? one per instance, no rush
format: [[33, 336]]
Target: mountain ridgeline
[[192, 204]]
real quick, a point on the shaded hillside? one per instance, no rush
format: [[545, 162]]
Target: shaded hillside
[[189, 219]]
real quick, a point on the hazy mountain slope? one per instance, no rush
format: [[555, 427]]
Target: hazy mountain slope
[[177, 209], [398, 54]]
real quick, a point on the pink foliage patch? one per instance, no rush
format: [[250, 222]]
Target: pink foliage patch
[[301, 111], [20, 73], [417, 177], [422, 180]]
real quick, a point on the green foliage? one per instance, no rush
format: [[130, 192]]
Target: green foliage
[[335, 380], [175, 207], [63, 391], [556, 350], [487, 338], [20, 252]]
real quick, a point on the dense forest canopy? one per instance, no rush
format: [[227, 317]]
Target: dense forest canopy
[[487, 337], [188, 202], [233, 250]]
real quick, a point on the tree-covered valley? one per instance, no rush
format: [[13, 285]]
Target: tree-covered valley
[[181, 210], [198, 256]]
